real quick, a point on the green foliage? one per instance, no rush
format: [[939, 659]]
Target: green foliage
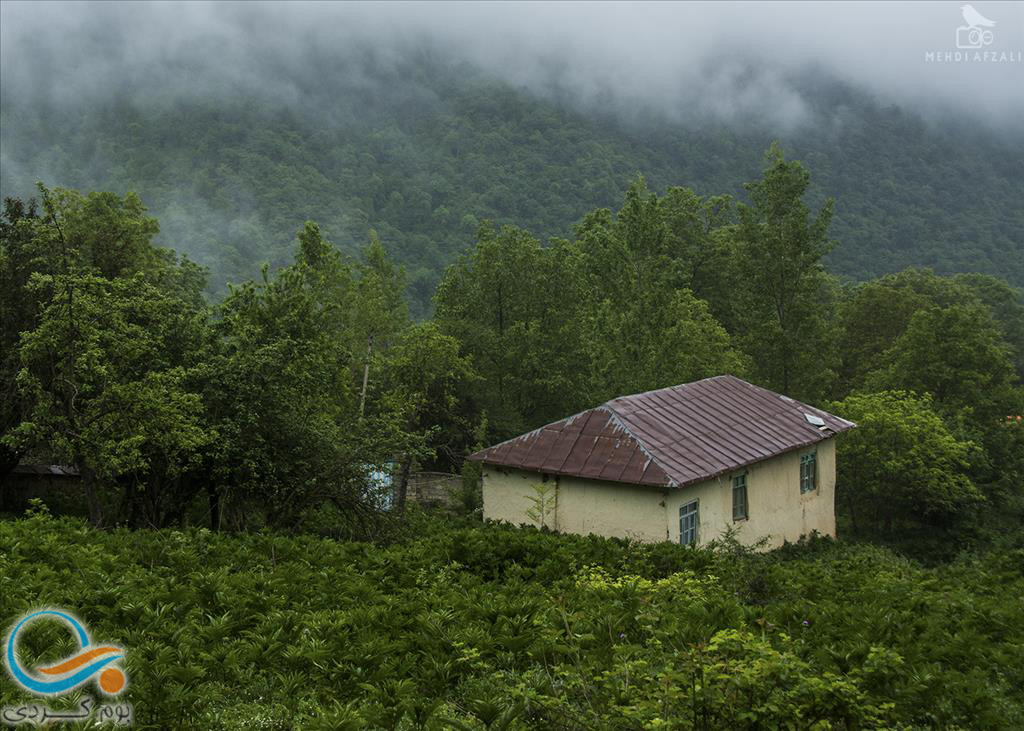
[[107, 346], [515, 308], [644, 327], [471, 626], [902, 469], [781, 289], [279, 401], [957, 354], [543, 504]]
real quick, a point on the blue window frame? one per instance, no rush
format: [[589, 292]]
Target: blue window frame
[[689, 519], [739, 497], [808, 472]]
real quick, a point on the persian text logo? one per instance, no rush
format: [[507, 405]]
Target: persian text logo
[[72, 672], [975, 34]]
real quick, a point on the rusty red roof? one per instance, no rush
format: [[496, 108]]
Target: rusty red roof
[[670, 437]]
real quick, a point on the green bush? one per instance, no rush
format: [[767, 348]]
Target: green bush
[[484, 626]]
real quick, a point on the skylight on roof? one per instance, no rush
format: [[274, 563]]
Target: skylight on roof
[[816, 420]]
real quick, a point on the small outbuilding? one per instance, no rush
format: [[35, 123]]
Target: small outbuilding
[[683, 464]]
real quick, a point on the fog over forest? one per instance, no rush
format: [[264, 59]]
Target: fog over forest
[[731, 61], [237, 122]]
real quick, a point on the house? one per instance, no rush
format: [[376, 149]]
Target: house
[[59, 486], [684, 463]]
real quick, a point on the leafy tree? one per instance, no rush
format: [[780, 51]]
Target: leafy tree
[[872, 315], [957, 354], [20, 226], [1007, 306], [109, 329], [697, 241], [107, 385], [645, 329], [285, 396], [515, 307], [430, 378], [901, 466], [380, 310], [783, 294]]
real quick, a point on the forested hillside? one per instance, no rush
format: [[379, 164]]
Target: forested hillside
[[422, 149]]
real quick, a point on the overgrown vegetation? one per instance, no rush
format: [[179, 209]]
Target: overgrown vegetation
[[492, 627]]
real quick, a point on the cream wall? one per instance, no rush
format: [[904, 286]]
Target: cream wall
[[777, 511], [581, 506]]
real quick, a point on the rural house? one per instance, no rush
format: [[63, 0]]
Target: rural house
[[683, 463]]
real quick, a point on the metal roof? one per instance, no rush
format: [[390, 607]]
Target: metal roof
[[671, 437], [48, 470]]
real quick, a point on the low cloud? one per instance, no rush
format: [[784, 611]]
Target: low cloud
[[734, 62]]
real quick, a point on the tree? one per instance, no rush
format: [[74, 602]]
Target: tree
[[902, 466], [644, 328], [874, 314], [1007, 306], [380, 309], [430, 378], [783, 295], [516, 309], [957, 355], [694, 226], [20, 255], [107, 388], [108, 329], [284, 390]]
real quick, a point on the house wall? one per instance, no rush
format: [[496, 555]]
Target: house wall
[[777, 511], [581, 506]]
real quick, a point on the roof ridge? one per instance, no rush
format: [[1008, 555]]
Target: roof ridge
[[673, 387], [620, 421]]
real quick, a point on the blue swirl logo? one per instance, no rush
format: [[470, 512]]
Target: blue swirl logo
[[71, 672]]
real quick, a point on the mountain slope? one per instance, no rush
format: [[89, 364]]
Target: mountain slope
[[424, 150]]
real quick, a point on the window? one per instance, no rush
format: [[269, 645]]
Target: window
[[688, 521], [739, 497], [808, 472]]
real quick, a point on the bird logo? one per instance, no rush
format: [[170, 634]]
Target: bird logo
[[973, 18], [975, 33]]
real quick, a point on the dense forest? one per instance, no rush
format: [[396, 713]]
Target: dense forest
[[275, 402], [422, 148]]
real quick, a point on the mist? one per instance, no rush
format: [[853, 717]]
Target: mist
[[735, 62]]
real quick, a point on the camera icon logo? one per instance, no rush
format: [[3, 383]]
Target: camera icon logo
[[969, 38]]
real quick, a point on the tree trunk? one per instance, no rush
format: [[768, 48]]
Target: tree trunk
[[403, 484], [214, 499], [366, 376], [853, 512], [91, 495]]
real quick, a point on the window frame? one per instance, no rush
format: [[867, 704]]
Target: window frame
[[739, 485], [809, 476], [684, 513]]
